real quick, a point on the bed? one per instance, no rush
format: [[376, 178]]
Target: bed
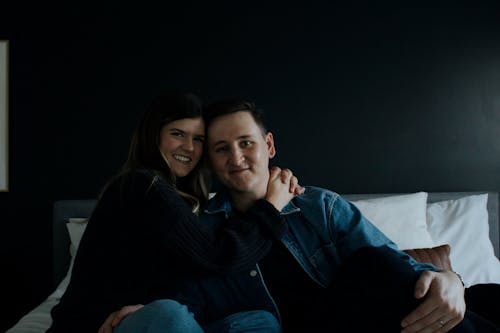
[[467, 221]]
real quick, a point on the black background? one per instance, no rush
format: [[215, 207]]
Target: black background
[[389, 97]]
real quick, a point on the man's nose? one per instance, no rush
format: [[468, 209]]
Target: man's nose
[[236, 157]]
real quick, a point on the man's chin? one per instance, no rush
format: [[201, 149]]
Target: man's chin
[[238, 187]]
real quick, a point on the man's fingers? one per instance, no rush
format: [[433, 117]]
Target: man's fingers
[[419, 317], [449, 325], [425, 308], [432, 324], [423, 284]]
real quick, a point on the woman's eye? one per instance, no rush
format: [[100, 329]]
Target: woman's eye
[[199, 139], [176, 133]]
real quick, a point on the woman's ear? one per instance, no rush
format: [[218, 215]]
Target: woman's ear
[[270, 145]]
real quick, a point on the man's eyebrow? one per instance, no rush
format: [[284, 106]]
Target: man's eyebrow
[[241, 137], [220, 142]]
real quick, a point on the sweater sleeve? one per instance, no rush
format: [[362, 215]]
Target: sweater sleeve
[[234, 246]]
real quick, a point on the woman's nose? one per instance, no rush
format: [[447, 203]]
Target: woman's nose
[[188, 144]]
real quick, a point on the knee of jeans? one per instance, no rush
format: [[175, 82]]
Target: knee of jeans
[[262, 315], [168, 307], [160, 316], [256, 320]]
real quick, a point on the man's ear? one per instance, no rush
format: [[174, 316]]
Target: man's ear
[[270, 144]]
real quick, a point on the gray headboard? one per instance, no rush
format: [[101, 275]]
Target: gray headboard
[[65, 209]]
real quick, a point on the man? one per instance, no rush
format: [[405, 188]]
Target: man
[[332, 268]]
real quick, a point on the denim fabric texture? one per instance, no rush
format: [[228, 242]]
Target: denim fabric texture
[[323, 231], [160, 316], [172, 317], [256, 321]]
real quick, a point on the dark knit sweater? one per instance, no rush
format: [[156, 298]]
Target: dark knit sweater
[[142, 239]]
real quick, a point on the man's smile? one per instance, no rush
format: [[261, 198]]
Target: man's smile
[[238, 171]]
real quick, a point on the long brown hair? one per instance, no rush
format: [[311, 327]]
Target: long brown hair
[[144, 152]]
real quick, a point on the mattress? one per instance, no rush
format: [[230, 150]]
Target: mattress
[[39, 319]]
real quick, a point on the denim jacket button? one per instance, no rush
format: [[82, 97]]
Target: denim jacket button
[[253, 273]]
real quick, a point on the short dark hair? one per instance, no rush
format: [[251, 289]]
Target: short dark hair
[[232, 105]]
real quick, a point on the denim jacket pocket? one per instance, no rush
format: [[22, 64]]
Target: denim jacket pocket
[[324, 261]]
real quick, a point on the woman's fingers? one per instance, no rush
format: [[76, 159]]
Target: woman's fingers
[[125, 311], [116, 317], [287, 177], [274, 173], [106, 326]]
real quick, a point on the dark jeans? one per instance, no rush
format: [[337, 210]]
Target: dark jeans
[[373, 292]]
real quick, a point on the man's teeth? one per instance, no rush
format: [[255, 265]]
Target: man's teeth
[[182, 158]]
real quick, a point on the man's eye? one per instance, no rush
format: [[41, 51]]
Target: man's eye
[[246, 143], [221, 149]]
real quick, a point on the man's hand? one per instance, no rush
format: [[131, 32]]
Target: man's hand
[[443, 305], [282, 187], [116, 317]]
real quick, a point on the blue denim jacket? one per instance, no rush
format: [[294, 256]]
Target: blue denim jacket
[[323, 230]]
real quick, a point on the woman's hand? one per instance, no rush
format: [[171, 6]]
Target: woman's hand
[[116, 317], [282, 187]]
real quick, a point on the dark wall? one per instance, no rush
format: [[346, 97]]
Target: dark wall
[[361, 99]]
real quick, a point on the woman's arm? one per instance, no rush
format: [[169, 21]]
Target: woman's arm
[[234, 246]]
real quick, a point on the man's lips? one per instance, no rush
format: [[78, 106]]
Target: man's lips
[[237, 171]]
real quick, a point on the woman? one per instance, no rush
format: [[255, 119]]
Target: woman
[[143, 236]]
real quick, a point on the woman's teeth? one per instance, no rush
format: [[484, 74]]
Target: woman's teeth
[[182, 158]]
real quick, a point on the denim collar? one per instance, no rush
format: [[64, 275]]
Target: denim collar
[[221, 203]]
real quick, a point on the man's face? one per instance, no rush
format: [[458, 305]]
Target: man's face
[[240, 153]]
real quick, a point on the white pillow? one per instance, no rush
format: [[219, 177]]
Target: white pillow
[[76, 226], [402, 218], [463, 224]]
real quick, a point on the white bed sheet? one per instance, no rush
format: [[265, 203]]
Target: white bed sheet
[[39, 319]]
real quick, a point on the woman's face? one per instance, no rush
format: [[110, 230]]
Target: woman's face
[[181, 143]]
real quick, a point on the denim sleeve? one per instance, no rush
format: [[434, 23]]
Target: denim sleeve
[[352, 231]]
